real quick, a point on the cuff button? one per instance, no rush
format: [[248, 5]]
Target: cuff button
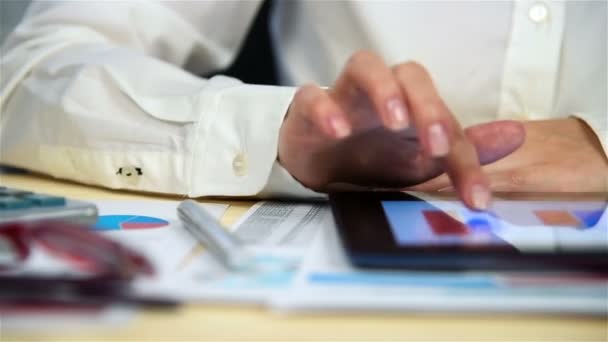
[[539, 13], [130, 174], [239, 165]]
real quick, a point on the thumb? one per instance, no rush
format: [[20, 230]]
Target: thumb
[[493, 141], [496, 140]]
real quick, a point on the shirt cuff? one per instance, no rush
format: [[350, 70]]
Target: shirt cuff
[[236, 141], [281, 184], [599, 126]]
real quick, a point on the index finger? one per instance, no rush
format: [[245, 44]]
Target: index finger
[[441, 136], [368, 72]]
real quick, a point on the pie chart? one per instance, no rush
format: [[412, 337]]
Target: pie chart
[[128, 222]]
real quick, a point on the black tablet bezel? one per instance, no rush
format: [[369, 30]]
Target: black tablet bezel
[[369, 242]]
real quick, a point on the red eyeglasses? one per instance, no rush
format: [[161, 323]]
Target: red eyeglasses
[[75, 244]]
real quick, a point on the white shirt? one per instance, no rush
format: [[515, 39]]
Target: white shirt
[[105, 93]]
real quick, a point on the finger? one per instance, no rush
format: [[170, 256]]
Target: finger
[[441, 135], [493, 141], [315, 105], [496, 140], [431, 117], [368, 72], [465, 173]]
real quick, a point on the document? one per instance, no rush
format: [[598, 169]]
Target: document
[[150, 227], [276, 233], [153, 229], [327, 282], [284, 224]]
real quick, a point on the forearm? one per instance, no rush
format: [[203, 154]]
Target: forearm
[[85, 102]]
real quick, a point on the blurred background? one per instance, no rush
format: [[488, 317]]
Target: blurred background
[[11, 12], [253, 64]]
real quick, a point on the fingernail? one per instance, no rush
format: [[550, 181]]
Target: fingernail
[[339, 126], [398, 114], [481, 197], [438, 140]]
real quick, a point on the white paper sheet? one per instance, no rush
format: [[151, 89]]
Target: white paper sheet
[[167, 246], [278, 235], [283, 224]]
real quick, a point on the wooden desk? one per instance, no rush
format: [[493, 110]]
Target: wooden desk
[[204, 322]]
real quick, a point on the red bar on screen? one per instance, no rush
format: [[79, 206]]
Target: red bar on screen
[[444, 224]]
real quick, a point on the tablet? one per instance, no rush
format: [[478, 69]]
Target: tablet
[[567, 232]]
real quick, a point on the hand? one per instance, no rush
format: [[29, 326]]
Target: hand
[[387, 127], [560, 155]]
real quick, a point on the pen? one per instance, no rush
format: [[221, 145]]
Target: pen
[[207, 230]]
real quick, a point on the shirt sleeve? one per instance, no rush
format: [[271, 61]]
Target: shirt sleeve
[[281, 184], [598, 124], [105, 93]]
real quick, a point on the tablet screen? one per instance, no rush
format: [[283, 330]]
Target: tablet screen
[[528, 226]]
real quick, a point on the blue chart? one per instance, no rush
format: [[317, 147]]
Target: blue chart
[[128, 222]]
